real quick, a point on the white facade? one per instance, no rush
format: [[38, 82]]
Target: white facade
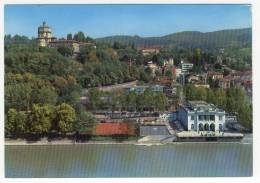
[[167, 116], [44, 35], [185, 67], [200, 116], [168, 62], [178, 72]]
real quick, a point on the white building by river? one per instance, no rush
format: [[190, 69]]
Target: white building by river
[[200, 116]]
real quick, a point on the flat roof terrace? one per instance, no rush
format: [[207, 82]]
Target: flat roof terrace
[[203, 106]]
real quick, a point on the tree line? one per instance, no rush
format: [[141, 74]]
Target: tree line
[[44, 118], [127, 101]]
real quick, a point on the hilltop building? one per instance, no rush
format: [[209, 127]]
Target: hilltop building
[[200, 116], [149, 50], [45, 39], [44, 35]]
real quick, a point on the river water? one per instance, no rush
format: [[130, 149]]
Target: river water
[[118, 160]]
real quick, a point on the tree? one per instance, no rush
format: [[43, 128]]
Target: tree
[[221, 98], [11, 126], [117, 45], [197, 57], [92, 56], [65, 51], [148, 99], [65, 118], [46, 95], [18, 96], [201, 93], [85, 121], [131, 101], [245, 115], [157, 59], [40, 119], [160, 101], [169, 74], [79, 37], [69, 36], [94, 98]]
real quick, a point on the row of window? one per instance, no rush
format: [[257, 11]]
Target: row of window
[[207, 127], [206, 117]]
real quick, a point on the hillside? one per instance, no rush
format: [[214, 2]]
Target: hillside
[[189, 39]]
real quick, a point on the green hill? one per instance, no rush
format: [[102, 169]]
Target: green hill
[[189, 39]]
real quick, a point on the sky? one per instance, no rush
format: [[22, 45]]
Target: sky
[[107, 20]]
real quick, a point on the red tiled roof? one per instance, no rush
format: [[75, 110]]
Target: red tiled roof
[[114, 129], [229, 77], [69, 41], [164, 81], [211, 73]]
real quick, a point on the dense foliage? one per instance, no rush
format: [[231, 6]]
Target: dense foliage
[[127, 101], [43, 85], [189, 39]]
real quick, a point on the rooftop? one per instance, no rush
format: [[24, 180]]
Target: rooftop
[[44, 25], [198, 105], [114, 129], [70, 41]]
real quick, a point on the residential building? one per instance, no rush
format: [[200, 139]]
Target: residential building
[[137, 89], [193, 78], [168, 62], [178, 72], [186, 67], [153, 67], [202, 85], [149, 50], [45, 39], [226, 82], [200, 116], [165, 81], [141, 89], [157, 88], [214, 75], [75, 45]]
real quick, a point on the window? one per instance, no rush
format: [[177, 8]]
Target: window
[[192, 126], [212, 117], [220, 127], [201, 128], [192, 117], [200, 117], [220, 118]]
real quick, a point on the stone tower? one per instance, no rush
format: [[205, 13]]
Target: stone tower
[[44, 35]]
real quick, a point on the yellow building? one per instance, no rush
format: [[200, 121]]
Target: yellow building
[[45, 39], [44, 35]]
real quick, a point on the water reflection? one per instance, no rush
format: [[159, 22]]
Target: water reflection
[[175, 160]]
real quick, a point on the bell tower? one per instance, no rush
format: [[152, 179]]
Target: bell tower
[[44, 35]]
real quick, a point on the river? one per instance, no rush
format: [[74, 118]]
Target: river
[[118, 160]]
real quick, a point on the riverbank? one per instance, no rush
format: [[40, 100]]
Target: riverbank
[[148, 140], [63, 142]]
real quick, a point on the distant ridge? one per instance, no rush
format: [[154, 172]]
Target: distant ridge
[[188, 39]]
